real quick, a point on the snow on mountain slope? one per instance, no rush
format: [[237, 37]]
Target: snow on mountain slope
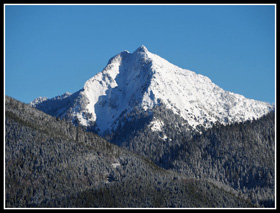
[[142, 79]]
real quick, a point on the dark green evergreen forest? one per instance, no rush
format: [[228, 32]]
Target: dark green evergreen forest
[[49, 162], [240, 155]]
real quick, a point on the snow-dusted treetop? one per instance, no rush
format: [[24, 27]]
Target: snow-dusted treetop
[[143, 79]]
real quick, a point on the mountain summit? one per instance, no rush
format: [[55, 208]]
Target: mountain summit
[[142, 80]]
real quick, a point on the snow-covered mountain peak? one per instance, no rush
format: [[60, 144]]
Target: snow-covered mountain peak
[[38, 101], [143, 80], [140, 53], [117, 58], [142, 48]]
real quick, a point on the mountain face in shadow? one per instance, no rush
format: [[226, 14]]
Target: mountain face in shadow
[[51, 163]]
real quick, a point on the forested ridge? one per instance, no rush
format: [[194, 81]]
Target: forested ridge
[[240, 155], [51, 163]]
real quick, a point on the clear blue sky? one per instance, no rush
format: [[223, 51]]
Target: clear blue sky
[[52, 49]]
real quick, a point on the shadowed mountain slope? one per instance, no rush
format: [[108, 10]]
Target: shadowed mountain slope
[[51, 163]]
